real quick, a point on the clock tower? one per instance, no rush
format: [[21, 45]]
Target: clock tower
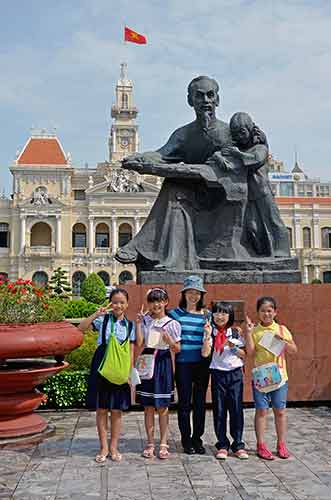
[[123, 139]]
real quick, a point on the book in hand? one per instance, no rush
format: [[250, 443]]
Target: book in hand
[[155, 339], [273, 344]]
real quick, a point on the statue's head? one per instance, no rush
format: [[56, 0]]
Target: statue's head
[[242, 128], [202, 95]]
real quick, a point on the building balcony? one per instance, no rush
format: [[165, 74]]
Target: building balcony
[[79, 251], [102, 250], [40, 250]]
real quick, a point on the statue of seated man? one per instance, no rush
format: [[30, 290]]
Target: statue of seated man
[[199, 215]]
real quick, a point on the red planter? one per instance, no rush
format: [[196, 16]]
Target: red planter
[[19, 377], [38, 340]]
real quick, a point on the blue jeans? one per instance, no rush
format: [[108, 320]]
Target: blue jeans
[[276, 398], [227, 395]]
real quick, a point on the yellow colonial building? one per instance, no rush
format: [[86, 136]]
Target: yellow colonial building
[[75, 218]]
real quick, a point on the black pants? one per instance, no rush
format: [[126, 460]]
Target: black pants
[[192, 383], [227, 395]]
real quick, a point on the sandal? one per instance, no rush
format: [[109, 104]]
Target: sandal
[[264, 452], [163, 451], [149, 451], [115, 456], [100, 458]]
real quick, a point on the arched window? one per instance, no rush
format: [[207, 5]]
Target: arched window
[[124, 234], [105, 277], [41, 235], [290, 237], [79, 236], [40, 279], [102, 236], [327, 277], [326, 237], [124, 277], [4, 235], [306, 237], [125, 101]]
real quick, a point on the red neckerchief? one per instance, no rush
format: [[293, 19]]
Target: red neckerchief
[[220, 339]]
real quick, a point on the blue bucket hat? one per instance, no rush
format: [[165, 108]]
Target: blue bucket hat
[[193, 282]]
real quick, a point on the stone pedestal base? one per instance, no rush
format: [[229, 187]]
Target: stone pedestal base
[[230, 271]]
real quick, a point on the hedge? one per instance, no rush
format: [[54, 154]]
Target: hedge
[[67, 389]]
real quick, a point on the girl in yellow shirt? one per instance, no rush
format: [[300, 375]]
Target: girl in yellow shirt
[[267, 309]]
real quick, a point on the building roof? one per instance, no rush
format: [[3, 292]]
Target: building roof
[[42, 150], [297, 169]]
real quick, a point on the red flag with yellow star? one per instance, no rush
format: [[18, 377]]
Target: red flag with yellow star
[[133, 36]]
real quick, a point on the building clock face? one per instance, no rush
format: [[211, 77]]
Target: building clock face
[[124, 142]]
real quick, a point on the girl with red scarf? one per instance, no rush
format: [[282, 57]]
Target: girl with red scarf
[[226, 347]]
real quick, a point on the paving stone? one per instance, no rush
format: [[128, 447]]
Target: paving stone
[[63, 466]]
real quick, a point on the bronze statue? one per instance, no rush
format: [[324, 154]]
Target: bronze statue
[[215, 198]]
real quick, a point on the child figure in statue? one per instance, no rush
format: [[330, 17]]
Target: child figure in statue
[[264, 232]]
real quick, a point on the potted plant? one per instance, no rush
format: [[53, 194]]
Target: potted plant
[[31, 331]]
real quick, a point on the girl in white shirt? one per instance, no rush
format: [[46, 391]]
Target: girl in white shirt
[[156, 393], [226, 347]]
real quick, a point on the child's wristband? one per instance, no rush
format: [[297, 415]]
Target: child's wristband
[[234, 349]]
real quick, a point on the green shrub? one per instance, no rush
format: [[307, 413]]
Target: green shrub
[[93, 289], [80, 358], [79, 308], [67, 389], [316, 281], [59, 284]]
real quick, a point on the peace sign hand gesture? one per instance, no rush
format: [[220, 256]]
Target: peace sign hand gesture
[[248, 325], [140, 315], [207, 329], [103, 310]]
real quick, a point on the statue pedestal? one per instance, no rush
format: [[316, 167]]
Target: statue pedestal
[[282, 270]]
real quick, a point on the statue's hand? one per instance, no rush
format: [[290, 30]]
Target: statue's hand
[[231, 151], [134, 162], [216, 159]]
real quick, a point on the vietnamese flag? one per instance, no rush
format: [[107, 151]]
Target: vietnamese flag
[[133, 36]]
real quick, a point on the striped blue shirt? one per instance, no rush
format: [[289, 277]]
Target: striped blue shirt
[[192, 335]]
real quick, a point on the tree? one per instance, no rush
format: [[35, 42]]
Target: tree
[[93, 289], [59, 284]]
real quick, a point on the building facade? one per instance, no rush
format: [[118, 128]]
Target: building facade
[[75, 218]]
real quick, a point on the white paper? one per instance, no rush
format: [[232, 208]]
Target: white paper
[[134, 377], [273, 344], [155, 340]]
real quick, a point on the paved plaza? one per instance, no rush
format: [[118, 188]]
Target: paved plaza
[[63, 467]]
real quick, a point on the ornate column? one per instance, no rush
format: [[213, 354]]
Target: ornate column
[[298, 232], [316, 231], [317, 272], [90, 235], [58, 234], [305, 274], [23, 234], [114, 235], [136, 225]]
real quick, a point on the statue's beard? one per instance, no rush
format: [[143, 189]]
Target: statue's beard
[[205, 117]]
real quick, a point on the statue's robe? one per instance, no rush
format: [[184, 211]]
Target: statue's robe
[[264, 233], [198, 215]]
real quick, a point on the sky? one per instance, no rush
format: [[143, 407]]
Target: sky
[[60, 61]]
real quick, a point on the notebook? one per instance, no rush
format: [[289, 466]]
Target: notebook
[[273, 344]]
